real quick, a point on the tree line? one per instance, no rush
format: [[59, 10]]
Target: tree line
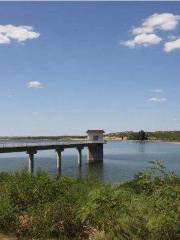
[[142, 135]]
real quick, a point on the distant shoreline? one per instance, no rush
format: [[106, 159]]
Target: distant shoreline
[[76, 138], [153, 141]]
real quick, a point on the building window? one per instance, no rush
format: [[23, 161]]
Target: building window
[[95, 137]]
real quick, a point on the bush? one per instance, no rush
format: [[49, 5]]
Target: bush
[[41, 207]]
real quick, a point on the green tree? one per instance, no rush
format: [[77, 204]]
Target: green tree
[[142, 135]]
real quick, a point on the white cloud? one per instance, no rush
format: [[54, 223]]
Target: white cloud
[[35, 84], [19, 33], [162, 21], [143, 39], [158, 99], [4, 39], [172, 45], [145, 34]]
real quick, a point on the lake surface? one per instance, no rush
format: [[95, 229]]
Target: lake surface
[[122, 159]]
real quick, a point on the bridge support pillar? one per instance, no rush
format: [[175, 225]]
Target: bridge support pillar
[[95, 152], [59, 157], [79, 155], [31, 161]]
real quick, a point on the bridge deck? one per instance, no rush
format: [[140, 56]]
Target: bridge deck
[[25, 147]]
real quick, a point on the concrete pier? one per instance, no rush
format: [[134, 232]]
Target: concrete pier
[[31, 154], [94, 143], [79, 156], [95, 153], [59, 156]]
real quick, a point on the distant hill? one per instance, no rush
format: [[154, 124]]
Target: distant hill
[[157, 135]]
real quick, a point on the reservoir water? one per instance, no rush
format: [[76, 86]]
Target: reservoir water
[[122, 159]]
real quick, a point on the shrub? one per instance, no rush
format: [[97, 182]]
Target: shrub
[[40, 207]]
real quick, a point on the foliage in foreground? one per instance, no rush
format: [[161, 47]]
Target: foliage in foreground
[[40, 207]]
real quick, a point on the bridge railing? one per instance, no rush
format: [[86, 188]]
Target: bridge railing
[[50, 143]]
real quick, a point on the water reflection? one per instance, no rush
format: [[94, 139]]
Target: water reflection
[[121, 160], [96, 170], [141, 146]]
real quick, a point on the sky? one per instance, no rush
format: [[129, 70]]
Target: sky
[[66, 67]]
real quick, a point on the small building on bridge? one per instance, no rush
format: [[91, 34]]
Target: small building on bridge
[[96, 148], [95, 135]]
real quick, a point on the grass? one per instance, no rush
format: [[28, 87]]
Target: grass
[[39, 207]]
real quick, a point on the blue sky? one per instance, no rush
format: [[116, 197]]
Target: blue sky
[[79, 66]]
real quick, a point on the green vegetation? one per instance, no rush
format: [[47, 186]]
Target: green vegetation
[[130, 135], [40, 207], [141, 136], [158, 135], [165, 135]]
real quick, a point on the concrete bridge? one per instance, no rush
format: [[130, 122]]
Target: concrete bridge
[[94, 143]]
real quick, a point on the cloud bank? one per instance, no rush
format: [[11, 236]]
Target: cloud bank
[[172, 45], [146, 33], [163, 21], [158, 99], [35, 84], [143, 39], [18, 33]]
